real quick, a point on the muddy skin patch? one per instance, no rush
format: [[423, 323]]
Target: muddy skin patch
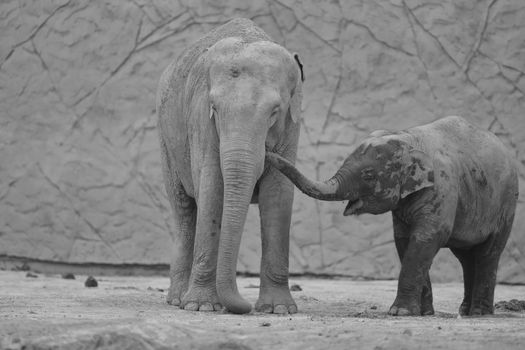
[[479, 177], [235, 72], [419, 163]]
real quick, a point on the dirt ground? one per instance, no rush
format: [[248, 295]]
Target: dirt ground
[[49, 312]]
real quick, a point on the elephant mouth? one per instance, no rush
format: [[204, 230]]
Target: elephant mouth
[[353, 207]]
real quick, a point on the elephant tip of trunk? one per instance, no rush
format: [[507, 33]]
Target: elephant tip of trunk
[[240, 308], [230, 298], [236, 305]]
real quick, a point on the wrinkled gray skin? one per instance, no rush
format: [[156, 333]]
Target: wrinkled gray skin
[[448, 184], [228, 98]]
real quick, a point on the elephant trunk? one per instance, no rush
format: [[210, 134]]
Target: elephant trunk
[[240, 170], [324, 190]]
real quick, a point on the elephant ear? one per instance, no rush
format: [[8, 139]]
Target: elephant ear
[[300, 64], [297, 94], [419, 172]]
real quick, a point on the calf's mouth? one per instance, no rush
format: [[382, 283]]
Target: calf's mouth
[[353, 207]]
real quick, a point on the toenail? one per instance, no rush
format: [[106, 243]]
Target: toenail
[[267, 308], [280, 309], [174, 302], [191, 306], [206, 307]]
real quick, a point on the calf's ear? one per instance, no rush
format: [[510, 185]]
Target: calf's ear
[[418, 174]]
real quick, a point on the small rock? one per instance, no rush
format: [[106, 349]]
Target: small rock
[[439, 327], [373, 307], [91, 282], [25, 267], [31, 275], [68, 276], [295, 288], [266, 324], [407, 332]]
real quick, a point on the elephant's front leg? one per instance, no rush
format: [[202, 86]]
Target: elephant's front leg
[[275, 206], [202, 291], [402, 239], [422, 246]]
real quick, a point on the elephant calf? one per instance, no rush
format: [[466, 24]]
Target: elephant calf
[[448, 184]]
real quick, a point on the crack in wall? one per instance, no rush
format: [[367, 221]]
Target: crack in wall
[[466, 64], [377, 40], [34, 33], [418, 52], [308, 28], [432, 35], [93, 229]]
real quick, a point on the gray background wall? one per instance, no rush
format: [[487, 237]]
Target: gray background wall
[[79, 160]]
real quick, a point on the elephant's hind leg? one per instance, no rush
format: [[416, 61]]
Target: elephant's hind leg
[[487, 257], [466, 258], [185, 212]]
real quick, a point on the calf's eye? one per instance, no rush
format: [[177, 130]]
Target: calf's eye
[[368, 174]]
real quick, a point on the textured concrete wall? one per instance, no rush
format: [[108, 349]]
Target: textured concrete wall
[[80, 175]]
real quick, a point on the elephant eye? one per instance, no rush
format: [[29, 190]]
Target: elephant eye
[[368, 174]]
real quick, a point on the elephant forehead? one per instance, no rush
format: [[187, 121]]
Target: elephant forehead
[[233, 58], [227, 46]]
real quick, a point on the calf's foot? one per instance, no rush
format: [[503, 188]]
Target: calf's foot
[[464, 308], [405, 308], [427, 308], [481, 308]]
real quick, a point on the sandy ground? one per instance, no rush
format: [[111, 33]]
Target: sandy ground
[[131, 313]]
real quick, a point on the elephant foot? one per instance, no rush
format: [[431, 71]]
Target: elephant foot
[[468, 309], [277, 301], [405, 309], [175, 294], [427, 309], [172, 300], [464, 308], [481, 310], [201, 299]]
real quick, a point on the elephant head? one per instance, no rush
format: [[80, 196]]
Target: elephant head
[[382, 170], [253, 95]]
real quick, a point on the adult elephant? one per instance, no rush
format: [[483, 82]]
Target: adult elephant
[[228, 98]]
